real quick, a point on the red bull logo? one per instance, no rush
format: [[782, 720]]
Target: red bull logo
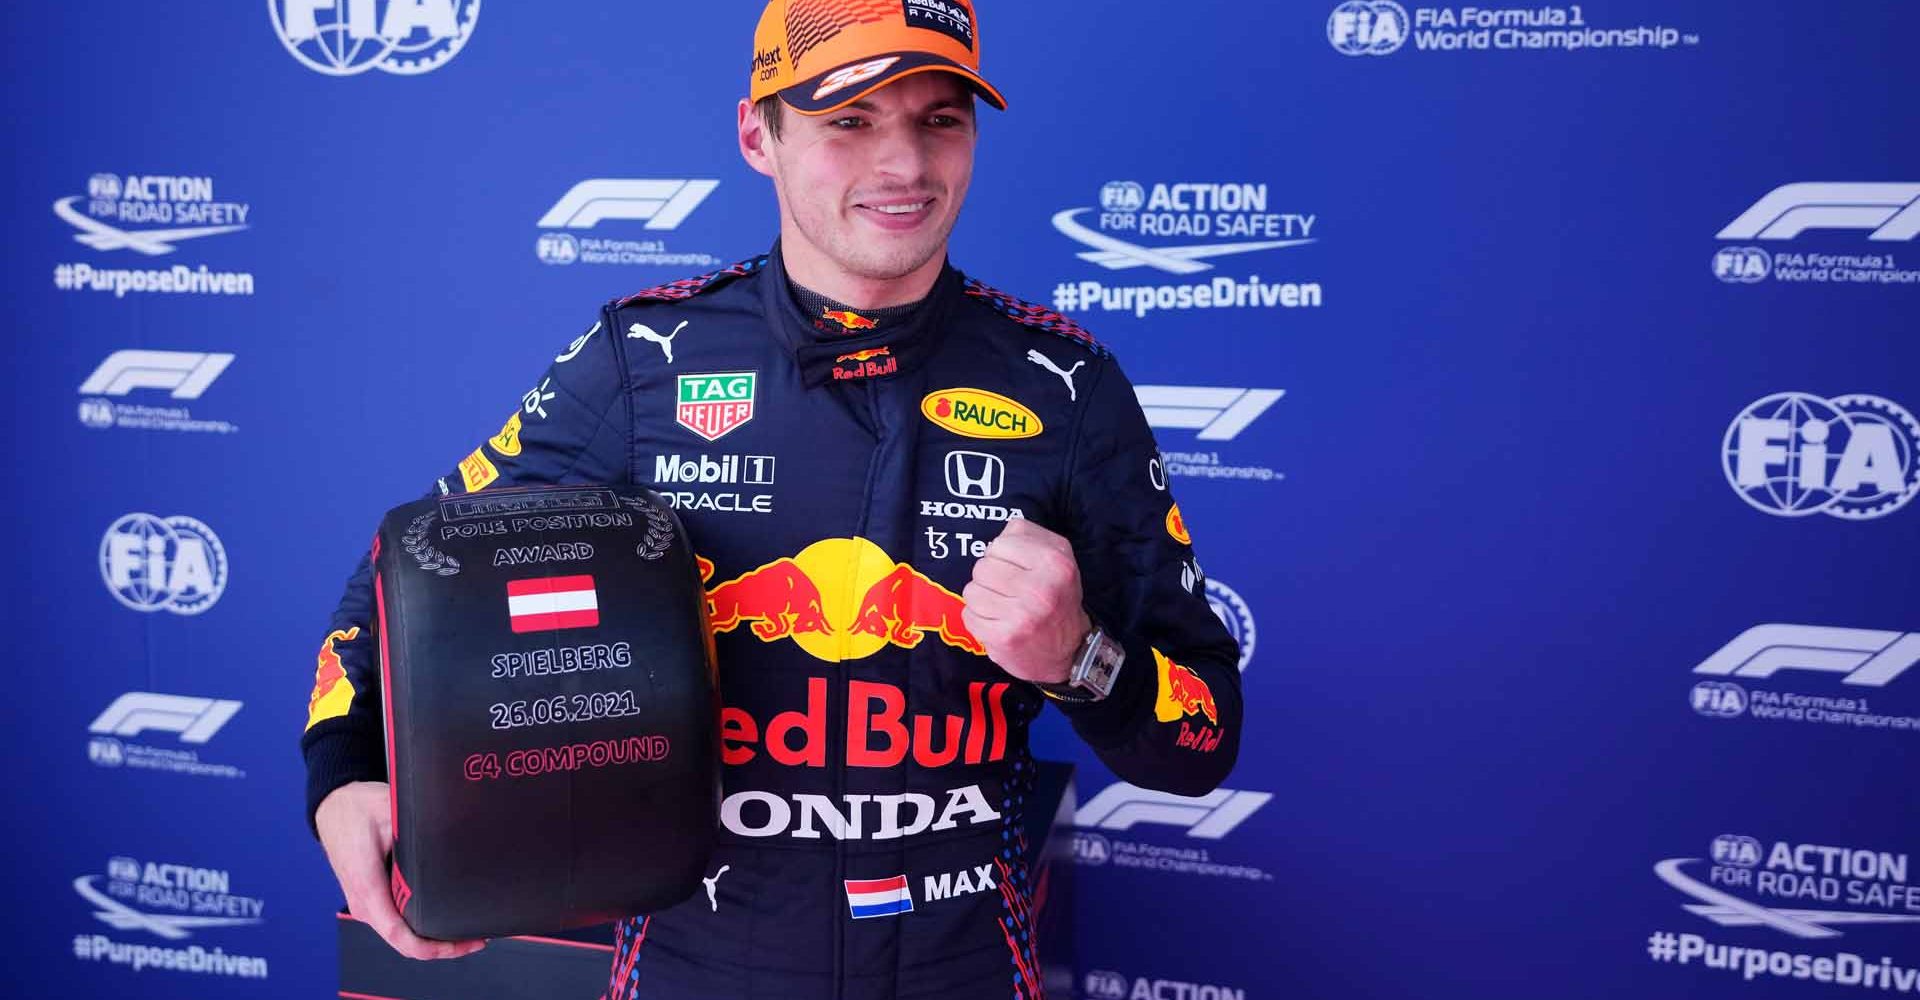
[[848, 320], [904, 606], [839, 599], [870, 363], [332, 691], [845, 599], [880, 732], [1182, 695], [778, 598]]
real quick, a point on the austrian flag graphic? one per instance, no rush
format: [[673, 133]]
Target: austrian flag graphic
[[553, 602]]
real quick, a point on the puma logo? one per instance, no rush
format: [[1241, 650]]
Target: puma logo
[[645, 332], [712, 883], [1073, 395]]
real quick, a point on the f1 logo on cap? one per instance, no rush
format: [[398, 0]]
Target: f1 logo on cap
[[846, 76]]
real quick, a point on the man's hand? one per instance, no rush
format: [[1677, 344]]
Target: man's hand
[[1023, 603], [356, 828]]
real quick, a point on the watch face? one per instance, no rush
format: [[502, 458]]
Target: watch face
[[1102, 663]]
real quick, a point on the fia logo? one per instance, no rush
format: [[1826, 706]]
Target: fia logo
[[176, 563], [1719, 699], [1105, 985], [1367, 28], [1742, 265], [106, 751], [557, 248], [1741, 852], [349, 37], [1091, 848], [1793, 454]]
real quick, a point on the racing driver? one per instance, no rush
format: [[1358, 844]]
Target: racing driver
[[925, 510]]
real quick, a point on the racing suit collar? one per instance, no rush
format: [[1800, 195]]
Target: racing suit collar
[[880, 353]]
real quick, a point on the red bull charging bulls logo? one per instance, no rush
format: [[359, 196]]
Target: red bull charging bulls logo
[[1183, 695], [332, 690], [848, 320], [839, 599]]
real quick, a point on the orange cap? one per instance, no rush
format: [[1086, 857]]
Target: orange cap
[[822, 55]]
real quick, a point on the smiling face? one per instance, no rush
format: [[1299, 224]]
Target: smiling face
[[869, 193]]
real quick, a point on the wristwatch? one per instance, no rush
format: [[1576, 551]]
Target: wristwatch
[[1095, 667]]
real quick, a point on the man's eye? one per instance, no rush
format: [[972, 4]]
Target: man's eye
[[851, 121]]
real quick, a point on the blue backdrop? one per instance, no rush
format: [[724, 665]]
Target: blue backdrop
[[1548, 453]]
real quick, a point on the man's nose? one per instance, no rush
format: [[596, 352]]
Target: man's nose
[[902, 154]]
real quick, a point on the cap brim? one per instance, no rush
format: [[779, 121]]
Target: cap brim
[[805, 96]]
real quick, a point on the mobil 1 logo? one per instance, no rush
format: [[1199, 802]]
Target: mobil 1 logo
[[710, 482]]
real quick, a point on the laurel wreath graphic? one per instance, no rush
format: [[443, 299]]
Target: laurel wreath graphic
[[659, 538], [430, 559]]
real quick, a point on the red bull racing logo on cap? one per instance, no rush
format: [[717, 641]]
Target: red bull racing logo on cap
[[1183, 695], [839, 599]]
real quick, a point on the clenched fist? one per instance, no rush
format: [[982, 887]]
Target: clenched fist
[[1023, 603]]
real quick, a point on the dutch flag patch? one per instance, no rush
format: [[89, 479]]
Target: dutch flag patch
[[880, 897]]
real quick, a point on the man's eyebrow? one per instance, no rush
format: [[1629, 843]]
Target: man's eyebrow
[[943, 104]]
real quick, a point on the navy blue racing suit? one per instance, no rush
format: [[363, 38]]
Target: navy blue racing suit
[[838, 487]]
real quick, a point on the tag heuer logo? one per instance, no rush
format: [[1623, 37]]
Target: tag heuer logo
[[714, 404]]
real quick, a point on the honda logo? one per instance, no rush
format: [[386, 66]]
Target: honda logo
[[975, 475]]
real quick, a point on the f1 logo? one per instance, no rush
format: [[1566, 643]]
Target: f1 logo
[[1892, 211], [660, 204], [976, 475], [195, 719], [1868, 657], [1210, 817], [187, 373], [1219, 414]]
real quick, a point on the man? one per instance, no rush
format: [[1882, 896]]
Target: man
[[952, 498]]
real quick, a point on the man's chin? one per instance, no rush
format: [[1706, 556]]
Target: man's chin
[[894, 263]]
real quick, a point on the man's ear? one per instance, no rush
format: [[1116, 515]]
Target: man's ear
[[754, 138]]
